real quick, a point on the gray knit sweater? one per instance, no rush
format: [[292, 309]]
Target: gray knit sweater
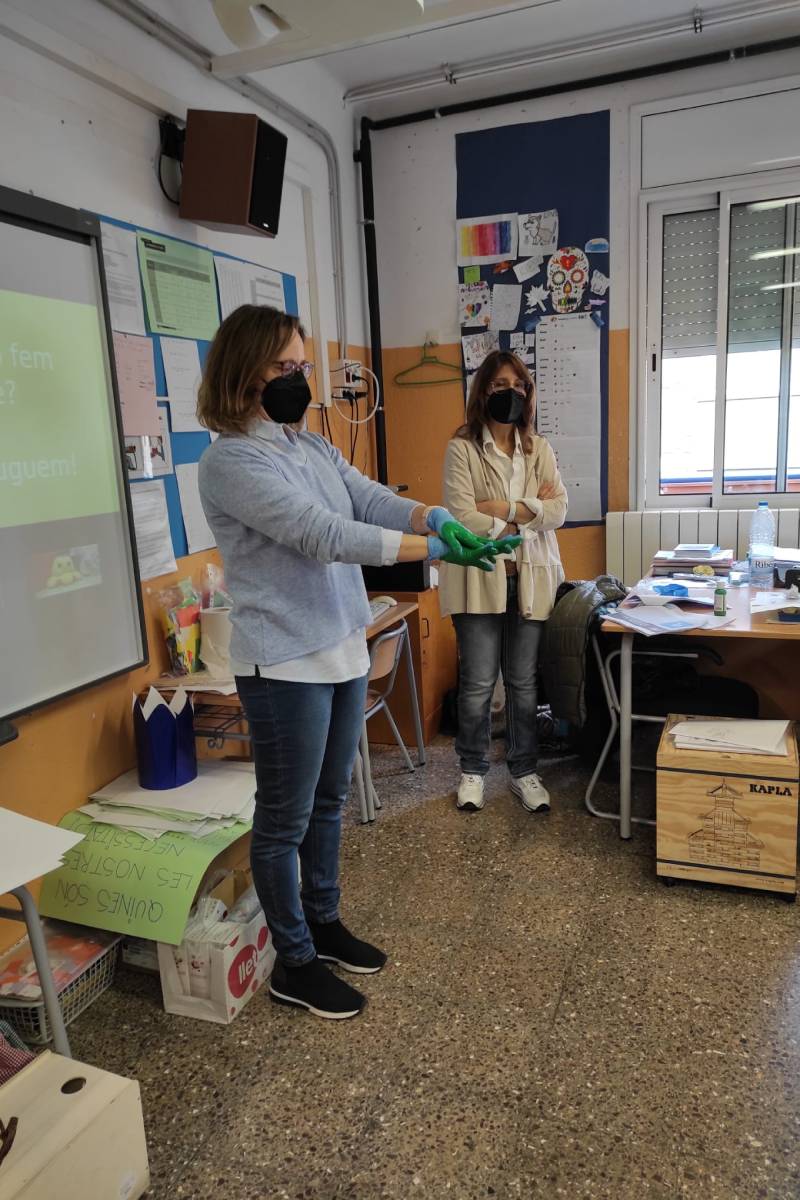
[[292, 518]]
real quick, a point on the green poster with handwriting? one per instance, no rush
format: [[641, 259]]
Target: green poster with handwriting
[[116, 879]]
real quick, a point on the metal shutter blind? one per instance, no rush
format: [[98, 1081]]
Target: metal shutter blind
[[689, 274], [754, 315]]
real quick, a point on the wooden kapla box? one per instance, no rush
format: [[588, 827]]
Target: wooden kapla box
[[727, 818]]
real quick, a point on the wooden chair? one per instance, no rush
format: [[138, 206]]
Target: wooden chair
[[384, 659]]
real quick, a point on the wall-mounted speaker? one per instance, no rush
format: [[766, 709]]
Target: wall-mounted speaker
[[233, 166]]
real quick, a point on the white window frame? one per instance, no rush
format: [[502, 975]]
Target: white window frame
[[653, 207], [651, 375]]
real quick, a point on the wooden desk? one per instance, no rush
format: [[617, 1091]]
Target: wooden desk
[[744, 627], [400, 612]]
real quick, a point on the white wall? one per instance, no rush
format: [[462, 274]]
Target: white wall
[[415, 190], [69, 139]]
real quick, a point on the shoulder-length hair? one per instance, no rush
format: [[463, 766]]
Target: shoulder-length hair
[[229, 397], [477, 402]]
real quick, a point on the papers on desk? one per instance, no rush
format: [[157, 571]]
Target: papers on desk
[[198, 681], [221, 790], [776, 600], [151, 824], [649, 620], [221, 796], [30, 848], [730, 734]]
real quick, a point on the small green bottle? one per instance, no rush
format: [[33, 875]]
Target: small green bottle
[[720, 600]]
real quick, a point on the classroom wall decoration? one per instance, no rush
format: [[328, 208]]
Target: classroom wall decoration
[[166, 298], [534, 279]]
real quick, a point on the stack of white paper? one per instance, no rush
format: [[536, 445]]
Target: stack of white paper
[[222, 794], [730, 734]]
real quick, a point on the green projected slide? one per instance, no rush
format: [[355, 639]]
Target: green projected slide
[[57, 444]]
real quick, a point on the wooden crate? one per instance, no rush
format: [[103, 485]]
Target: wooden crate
[[727, 818], [80, 1134]]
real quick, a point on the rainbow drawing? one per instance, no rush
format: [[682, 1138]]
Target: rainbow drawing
[[487, 239]]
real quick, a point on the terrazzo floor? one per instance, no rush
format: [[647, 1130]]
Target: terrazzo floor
[[553, 1023]]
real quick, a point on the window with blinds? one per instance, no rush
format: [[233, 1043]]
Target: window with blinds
[[690, 258], [756, 399]]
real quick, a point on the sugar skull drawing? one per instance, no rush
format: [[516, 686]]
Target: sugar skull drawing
[[567, 277]]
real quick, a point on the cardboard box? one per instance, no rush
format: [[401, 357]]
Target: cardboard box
[[727, 818], [213, 978], [79, 1134]]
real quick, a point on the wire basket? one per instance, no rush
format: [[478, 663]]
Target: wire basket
[[29, 1018]]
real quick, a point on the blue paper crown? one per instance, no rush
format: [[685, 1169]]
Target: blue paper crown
[[165, 748]]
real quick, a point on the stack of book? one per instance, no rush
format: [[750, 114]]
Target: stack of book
[[688, 556]]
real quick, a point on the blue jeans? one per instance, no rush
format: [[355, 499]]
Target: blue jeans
[[488, 642], [305, 737]]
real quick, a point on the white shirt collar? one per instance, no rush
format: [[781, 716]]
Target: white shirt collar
[[488, 441]]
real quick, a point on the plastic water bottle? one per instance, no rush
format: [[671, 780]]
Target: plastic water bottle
[[762, 548]]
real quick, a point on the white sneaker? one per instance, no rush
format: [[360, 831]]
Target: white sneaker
[[470, 793], [532, 793]]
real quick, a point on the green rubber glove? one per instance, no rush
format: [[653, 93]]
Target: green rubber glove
[[507, 544], [458, 537], [480, 556]]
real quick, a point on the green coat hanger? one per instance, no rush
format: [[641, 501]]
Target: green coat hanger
[[405, 378]]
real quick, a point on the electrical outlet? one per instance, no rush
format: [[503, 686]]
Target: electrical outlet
[[345, 372]]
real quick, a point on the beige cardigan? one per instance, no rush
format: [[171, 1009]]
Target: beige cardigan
[[469, 479]]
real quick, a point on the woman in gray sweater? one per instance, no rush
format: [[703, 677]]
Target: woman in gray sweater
[[294, 521]]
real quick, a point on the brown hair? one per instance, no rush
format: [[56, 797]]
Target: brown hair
[[477, 406], [229, 397]]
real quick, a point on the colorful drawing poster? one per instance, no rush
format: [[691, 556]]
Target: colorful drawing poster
[[538, 232], [487, 239], [476, 346], [474, 304]]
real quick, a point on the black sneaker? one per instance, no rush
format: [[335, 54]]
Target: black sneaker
[[314, 987], [336, 944]]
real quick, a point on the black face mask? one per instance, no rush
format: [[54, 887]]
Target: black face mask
[[507, 406], [286, 398]]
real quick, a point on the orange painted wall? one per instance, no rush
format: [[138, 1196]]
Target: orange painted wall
[[68, 749], [420, 421]]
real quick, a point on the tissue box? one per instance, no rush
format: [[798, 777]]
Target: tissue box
[[165, 751], [213, 974]]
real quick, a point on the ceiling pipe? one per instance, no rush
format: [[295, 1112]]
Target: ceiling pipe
[[688, 63], [632, 37], [200, 58]]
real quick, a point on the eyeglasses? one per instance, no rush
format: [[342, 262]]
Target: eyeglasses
[[497, 385], [291, 368]]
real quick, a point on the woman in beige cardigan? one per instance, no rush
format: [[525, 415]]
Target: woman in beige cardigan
[[501, 478]]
